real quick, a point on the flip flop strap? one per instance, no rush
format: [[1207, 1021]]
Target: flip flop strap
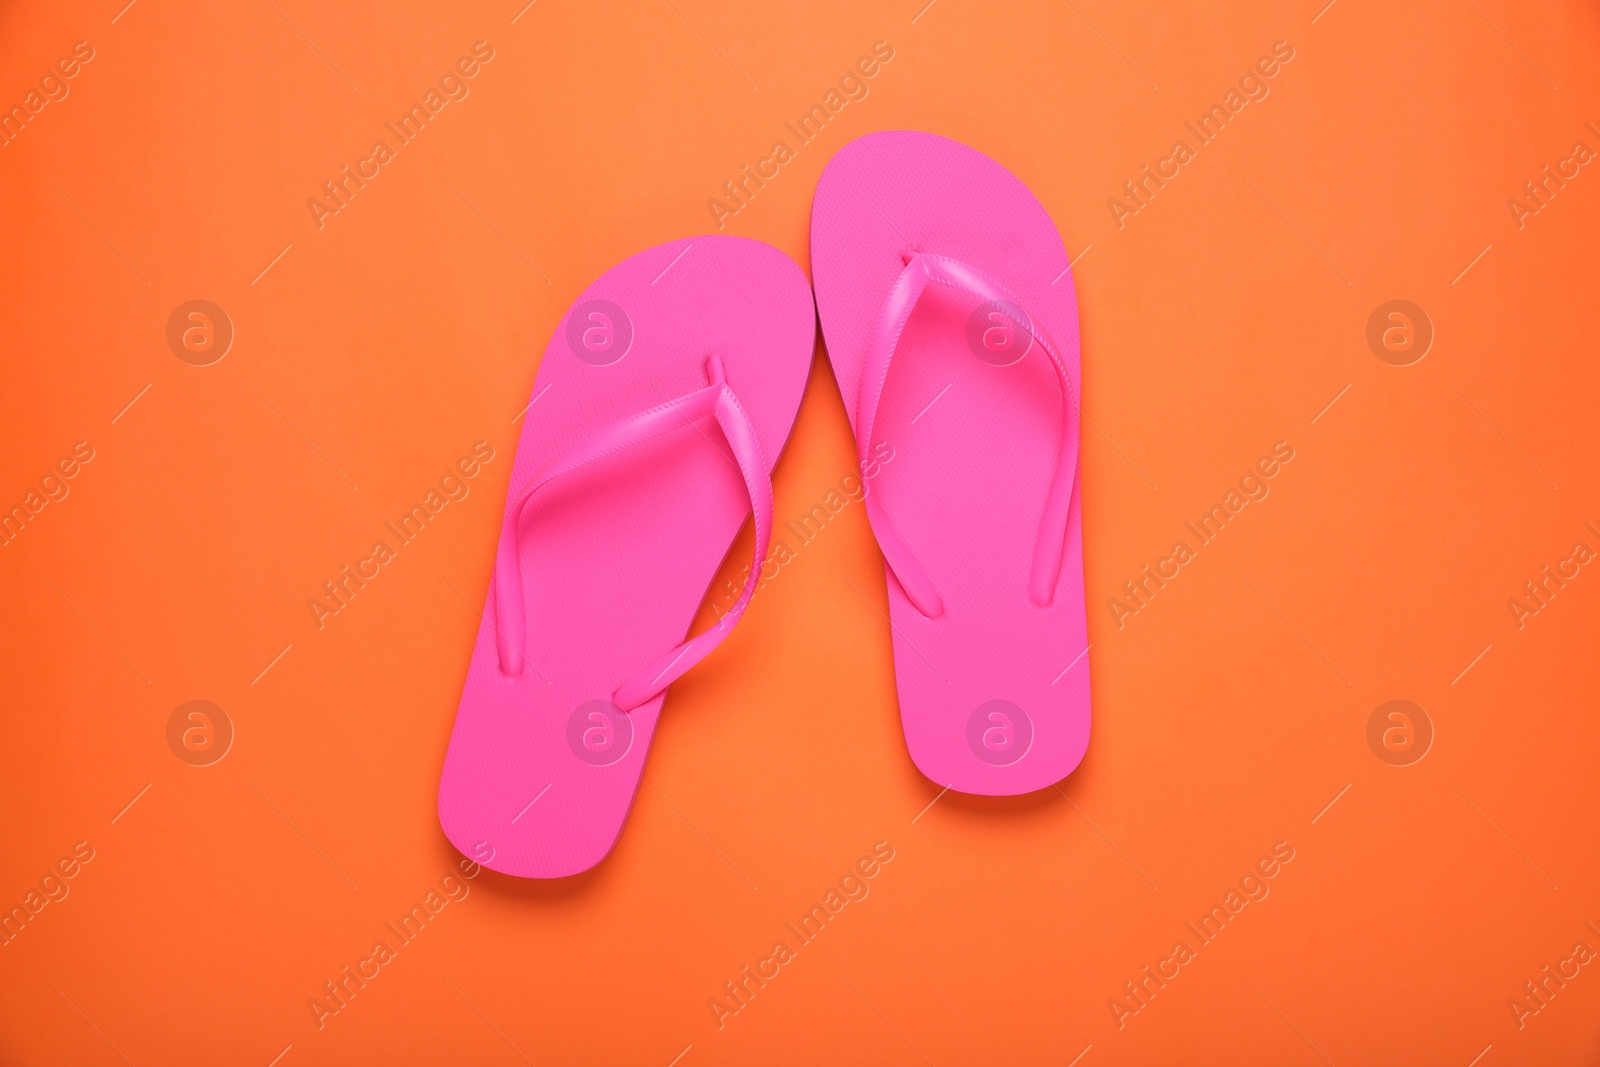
[[717, 399], [922, 268]]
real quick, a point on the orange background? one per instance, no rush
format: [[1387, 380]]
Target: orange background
[[1229, 712]]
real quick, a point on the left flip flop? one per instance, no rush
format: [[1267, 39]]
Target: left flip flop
[[660, 406]]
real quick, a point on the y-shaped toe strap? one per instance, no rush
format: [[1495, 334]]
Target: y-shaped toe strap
[[920, 269], [717, 399]]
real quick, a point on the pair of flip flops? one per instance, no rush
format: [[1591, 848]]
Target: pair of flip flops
[[660, 407]]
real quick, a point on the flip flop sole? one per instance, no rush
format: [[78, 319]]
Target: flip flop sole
[[994, 693], [542, 768]]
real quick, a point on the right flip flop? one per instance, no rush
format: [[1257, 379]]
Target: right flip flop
[[948, 313]]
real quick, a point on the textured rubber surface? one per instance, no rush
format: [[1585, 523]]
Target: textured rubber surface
[[616, 558], [994, 693]]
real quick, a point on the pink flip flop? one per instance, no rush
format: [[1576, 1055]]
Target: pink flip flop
[[948, 313], [661, 403]]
